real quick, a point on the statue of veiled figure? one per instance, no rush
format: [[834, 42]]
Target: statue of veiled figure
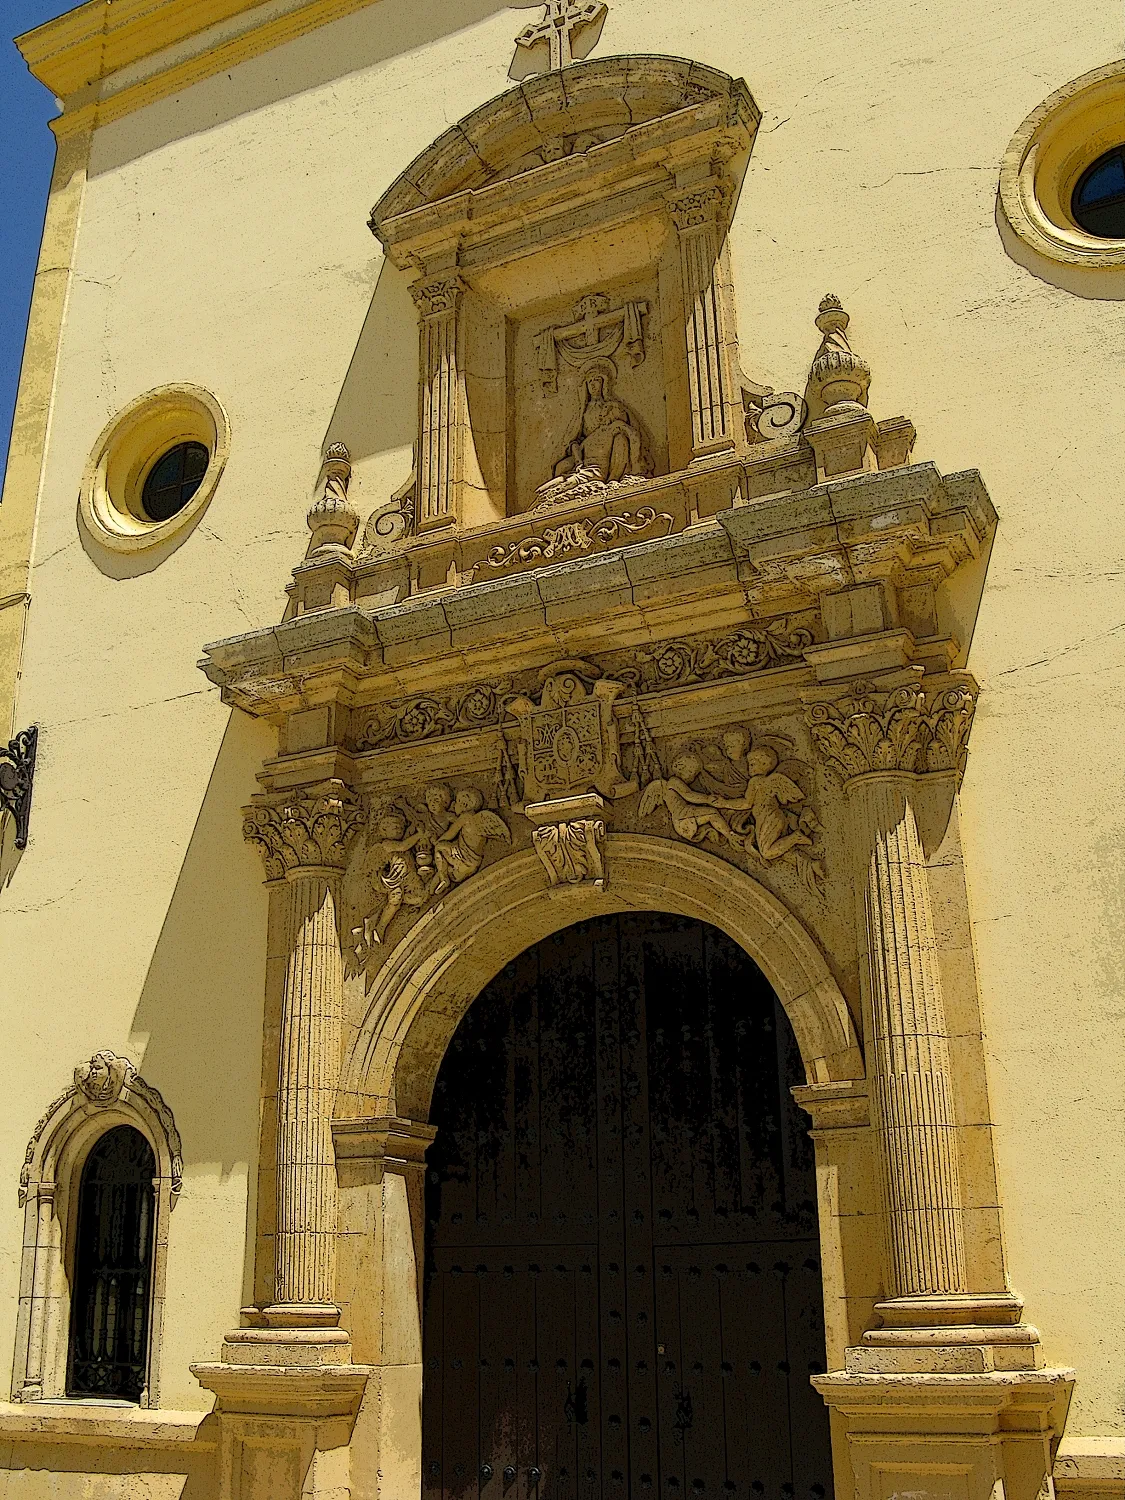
[[606, 441]]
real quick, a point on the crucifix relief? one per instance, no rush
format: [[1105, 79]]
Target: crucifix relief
[[553, 39], [596, 332]]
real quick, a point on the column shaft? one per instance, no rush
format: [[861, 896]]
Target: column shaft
[[712, 386], [308, 1075], [908, 1049], [440, 436]]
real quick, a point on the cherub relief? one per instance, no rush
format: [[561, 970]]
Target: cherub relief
[[411, 854], [460, 850], [695, 815], [389, 855], [740, 797]]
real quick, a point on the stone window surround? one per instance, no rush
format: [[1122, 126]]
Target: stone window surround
[[56, 1155], [127, 449], [1047, 156]]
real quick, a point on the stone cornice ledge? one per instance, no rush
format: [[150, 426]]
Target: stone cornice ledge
[[67, 1421], [777, 556]]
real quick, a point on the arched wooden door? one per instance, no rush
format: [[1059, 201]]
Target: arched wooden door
[[622, 1288]]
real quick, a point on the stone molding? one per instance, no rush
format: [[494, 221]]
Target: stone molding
[[431, 975], [304, 835], [903, 729], [102, 1081], [107, 1091]]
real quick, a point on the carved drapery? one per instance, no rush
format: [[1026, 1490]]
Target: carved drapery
[[695, 213], [306, 842], [877, 744], [440, 421]]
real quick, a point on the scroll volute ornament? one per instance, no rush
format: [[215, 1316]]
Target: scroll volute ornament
[[312, 832], [904, 729]]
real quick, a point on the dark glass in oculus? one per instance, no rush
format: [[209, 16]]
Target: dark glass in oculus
[[113, 1268], [1098, 203], [173, 480]]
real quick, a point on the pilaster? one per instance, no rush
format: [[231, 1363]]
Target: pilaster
[[442, 414], [288, 1390], [946, 1398], [713, 385]]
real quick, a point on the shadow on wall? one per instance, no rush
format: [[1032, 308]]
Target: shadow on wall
[[372, 35], [198, 1023], [377, 408]]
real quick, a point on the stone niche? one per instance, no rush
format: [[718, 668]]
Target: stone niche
[[576, 318]]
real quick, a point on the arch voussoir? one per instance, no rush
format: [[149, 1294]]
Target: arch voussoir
[[447, 957]]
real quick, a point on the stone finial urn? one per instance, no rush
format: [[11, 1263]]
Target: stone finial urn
[[333, 520], [838, 378]]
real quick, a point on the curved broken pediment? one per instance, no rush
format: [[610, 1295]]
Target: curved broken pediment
[[555, 115]]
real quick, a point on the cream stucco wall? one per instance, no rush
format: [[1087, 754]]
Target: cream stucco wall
[[222, 241]]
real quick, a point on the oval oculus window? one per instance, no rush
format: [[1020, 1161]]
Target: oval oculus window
[[1098, 203], [173, 480]]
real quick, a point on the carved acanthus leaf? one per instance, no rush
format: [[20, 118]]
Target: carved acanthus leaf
[[309, 832], [901, 730], [571, 853], [438, 296]]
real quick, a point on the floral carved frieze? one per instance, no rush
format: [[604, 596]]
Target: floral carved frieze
[[734, 794], [676, 663], [581, 535], [905, 729], [427, 716], [311, 832]]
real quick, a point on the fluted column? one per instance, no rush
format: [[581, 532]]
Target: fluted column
[[304, 842], [440, 421], [711, 381], [879, 745]]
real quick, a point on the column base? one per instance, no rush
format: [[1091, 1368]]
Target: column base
[[955, 1333], [943, 1436]]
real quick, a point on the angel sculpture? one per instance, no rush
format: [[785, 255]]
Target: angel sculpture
[[695, 815], [460, 850], [390, 852], [751, 805], [774, 821]]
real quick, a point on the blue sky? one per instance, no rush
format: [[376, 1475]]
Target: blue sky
[[27, 151]]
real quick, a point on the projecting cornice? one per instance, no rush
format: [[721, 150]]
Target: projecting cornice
[[907, 529], [109, 57]]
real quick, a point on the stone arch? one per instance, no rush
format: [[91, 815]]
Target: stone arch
[[106, 1092], [553, 114], [439, 967]]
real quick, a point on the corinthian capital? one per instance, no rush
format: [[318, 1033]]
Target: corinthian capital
[[696, 206], [906, 729], [311, 832], [438, 296]]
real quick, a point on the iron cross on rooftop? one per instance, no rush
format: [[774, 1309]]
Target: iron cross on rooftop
[[562, 20]]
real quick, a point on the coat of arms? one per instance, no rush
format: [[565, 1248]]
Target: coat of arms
[[569, 743]]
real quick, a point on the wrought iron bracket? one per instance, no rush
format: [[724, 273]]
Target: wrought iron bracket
[[17, 771]]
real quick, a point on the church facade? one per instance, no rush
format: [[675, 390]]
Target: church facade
[[560, 890]]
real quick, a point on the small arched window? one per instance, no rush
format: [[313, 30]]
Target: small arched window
[[109, 1313]]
